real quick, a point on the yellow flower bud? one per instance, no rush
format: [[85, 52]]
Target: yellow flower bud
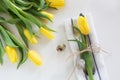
[[56, 3], [83, 25], [34, 57], [12, 54], [30, 37], [34, 40], [49, 15], [46, 33]]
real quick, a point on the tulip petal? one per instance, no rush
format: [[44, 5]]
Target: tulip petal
[[46, 33], [12, 54], [83, 25], [34, 57], [30, 37], [49, 15], [56, 3]]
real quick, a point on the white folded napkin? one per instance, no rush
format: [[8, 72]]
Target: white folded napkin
[[74, 48]]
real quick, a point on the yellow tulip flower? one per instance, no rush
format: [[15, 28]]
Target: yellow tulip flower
[[12, 54], [56, 3], [46, 33], [34, 57], [49, 15], [83, 25], [30, 37]]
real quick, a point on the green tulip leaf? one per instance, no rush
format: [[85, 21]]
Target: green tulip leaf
[[20, 30], [23, 57], [6, 37], [16, 41], [1, 52]]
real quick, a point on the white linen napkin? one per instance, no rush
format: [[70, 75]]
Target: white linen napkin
[[74, 48]]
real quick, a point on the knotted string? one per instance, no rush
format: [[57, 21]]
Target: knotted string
[[96, 48]]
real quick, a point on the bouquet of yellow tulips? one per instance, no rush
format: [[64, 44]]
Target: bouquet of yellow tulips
[[22, 13]]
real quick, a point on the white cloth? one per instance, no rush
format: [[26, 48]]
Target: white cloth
[[74, 48]]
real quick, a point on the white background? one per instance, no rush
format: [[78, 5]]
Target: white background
[[107, 22]]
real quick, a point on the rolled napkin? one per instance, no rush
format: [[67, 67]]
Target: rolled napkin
[[100, 73]]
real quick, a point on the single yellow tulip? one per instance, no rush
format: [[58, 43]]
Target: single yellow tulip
[[12, 54], [46, 33], [83, 25], [34, 57], [56, 3], [30, 37], [49, 15]]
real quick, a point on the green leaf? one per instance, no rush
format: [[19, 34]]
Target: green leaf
[[76, 29], [13, 21], [31, 18], [89, 64], [20, 30], [16, 41], [27, 17], [28, 25], [6, 37], [23, 57], [3, 8], [48, 28], [23, 3], [43, 5], [73, 40], [2, 20], [81, 45], [25, 8], [15, 9], [83, 38], [10, 6], [1, 52], [39, 15]]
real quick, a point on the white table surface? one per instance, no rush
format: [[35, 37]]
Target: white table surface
[[107, 21]]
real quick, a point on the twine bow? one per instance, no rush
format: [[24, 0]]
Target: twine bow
[[95, 48]]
